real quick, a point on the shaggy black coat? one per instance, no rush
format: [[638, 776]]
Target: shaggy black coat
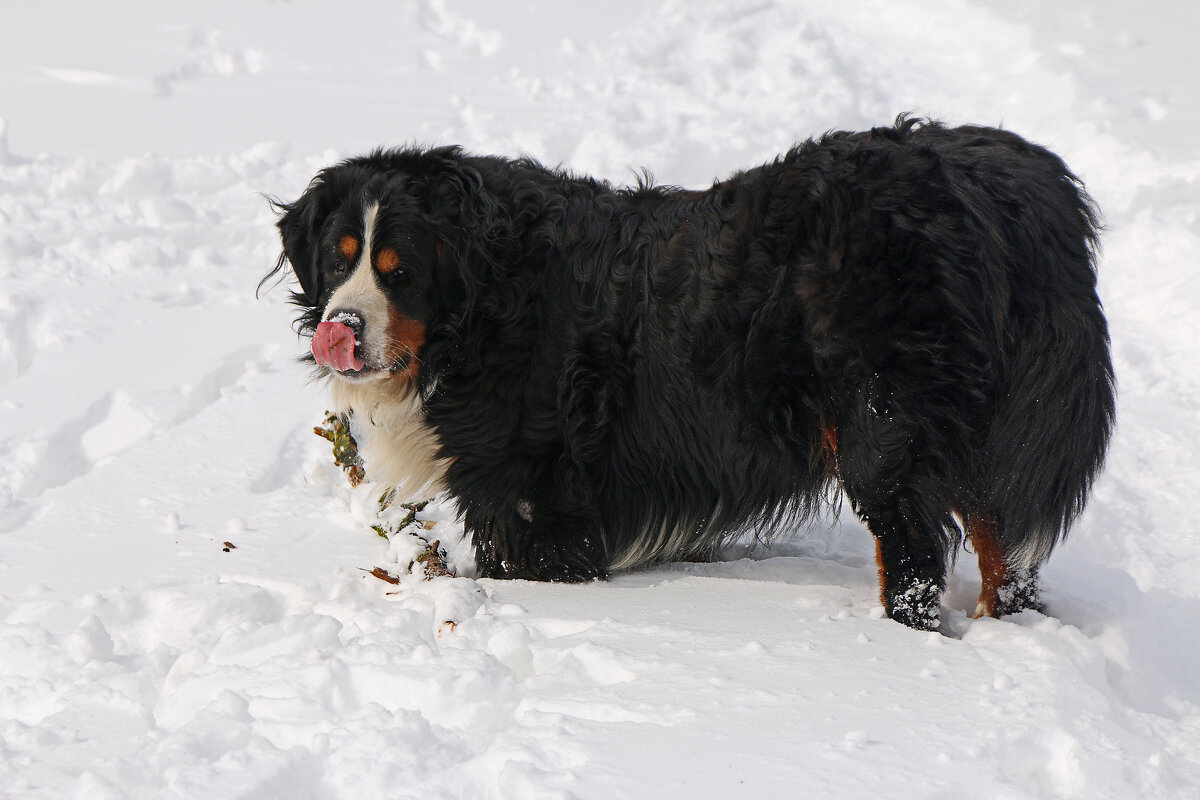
[[628, 375]]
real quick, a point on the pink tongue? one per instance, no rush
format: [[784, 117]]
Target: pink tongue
[[333, 346]]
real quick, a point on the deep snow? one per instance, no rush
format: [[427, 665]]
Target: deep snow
[[151, 411]]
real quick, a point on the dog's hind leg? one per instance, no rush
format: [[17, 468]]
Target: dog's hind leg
[[910, 531], [892, 467], [1006, 588], [912, 570]]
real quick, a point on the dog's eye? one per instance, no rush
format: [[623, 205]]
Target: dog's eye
[[339, 267]]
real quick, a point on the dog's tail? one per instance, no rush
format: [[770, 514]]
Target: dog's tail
[[1056, 403]]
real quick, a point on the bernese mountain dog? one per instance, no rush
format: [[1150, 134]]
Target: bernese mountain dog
[[604, 377]]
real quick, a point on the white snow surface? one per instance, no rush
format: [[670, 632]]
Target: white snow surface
[[152, 409]]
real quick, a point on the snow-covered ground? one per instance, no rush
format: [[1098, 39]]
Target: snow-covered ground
[[151, 411]]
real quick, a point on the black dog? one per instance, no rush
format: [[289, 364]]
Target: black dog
[[609, 377]]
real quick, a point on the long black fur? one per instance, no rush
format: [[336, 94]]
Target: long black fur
[[908, 314]]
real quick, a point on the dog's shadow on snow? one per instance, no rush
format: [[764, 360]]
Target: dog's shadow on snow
[[1148, 639], [824, 552]]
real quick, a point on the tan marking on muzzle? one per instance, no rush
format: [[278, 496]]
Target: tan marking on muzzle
[[406, 337]]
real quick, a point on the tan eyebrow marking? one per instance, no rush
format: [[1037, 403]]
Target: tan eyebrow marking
[[387, 261], [348, 246]]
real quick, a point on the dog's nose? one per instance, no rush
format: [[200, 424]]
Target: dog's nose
[[348, 317]]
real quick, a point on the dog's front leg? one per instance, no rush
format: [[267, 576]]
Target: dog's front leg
[[538, 540]]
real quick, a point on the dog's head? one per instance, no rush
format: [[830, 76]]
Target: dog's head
[[363, 242]]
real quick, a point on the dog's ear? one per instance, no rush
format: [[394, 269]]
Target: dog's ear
[[299, 229], [300, 225]]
